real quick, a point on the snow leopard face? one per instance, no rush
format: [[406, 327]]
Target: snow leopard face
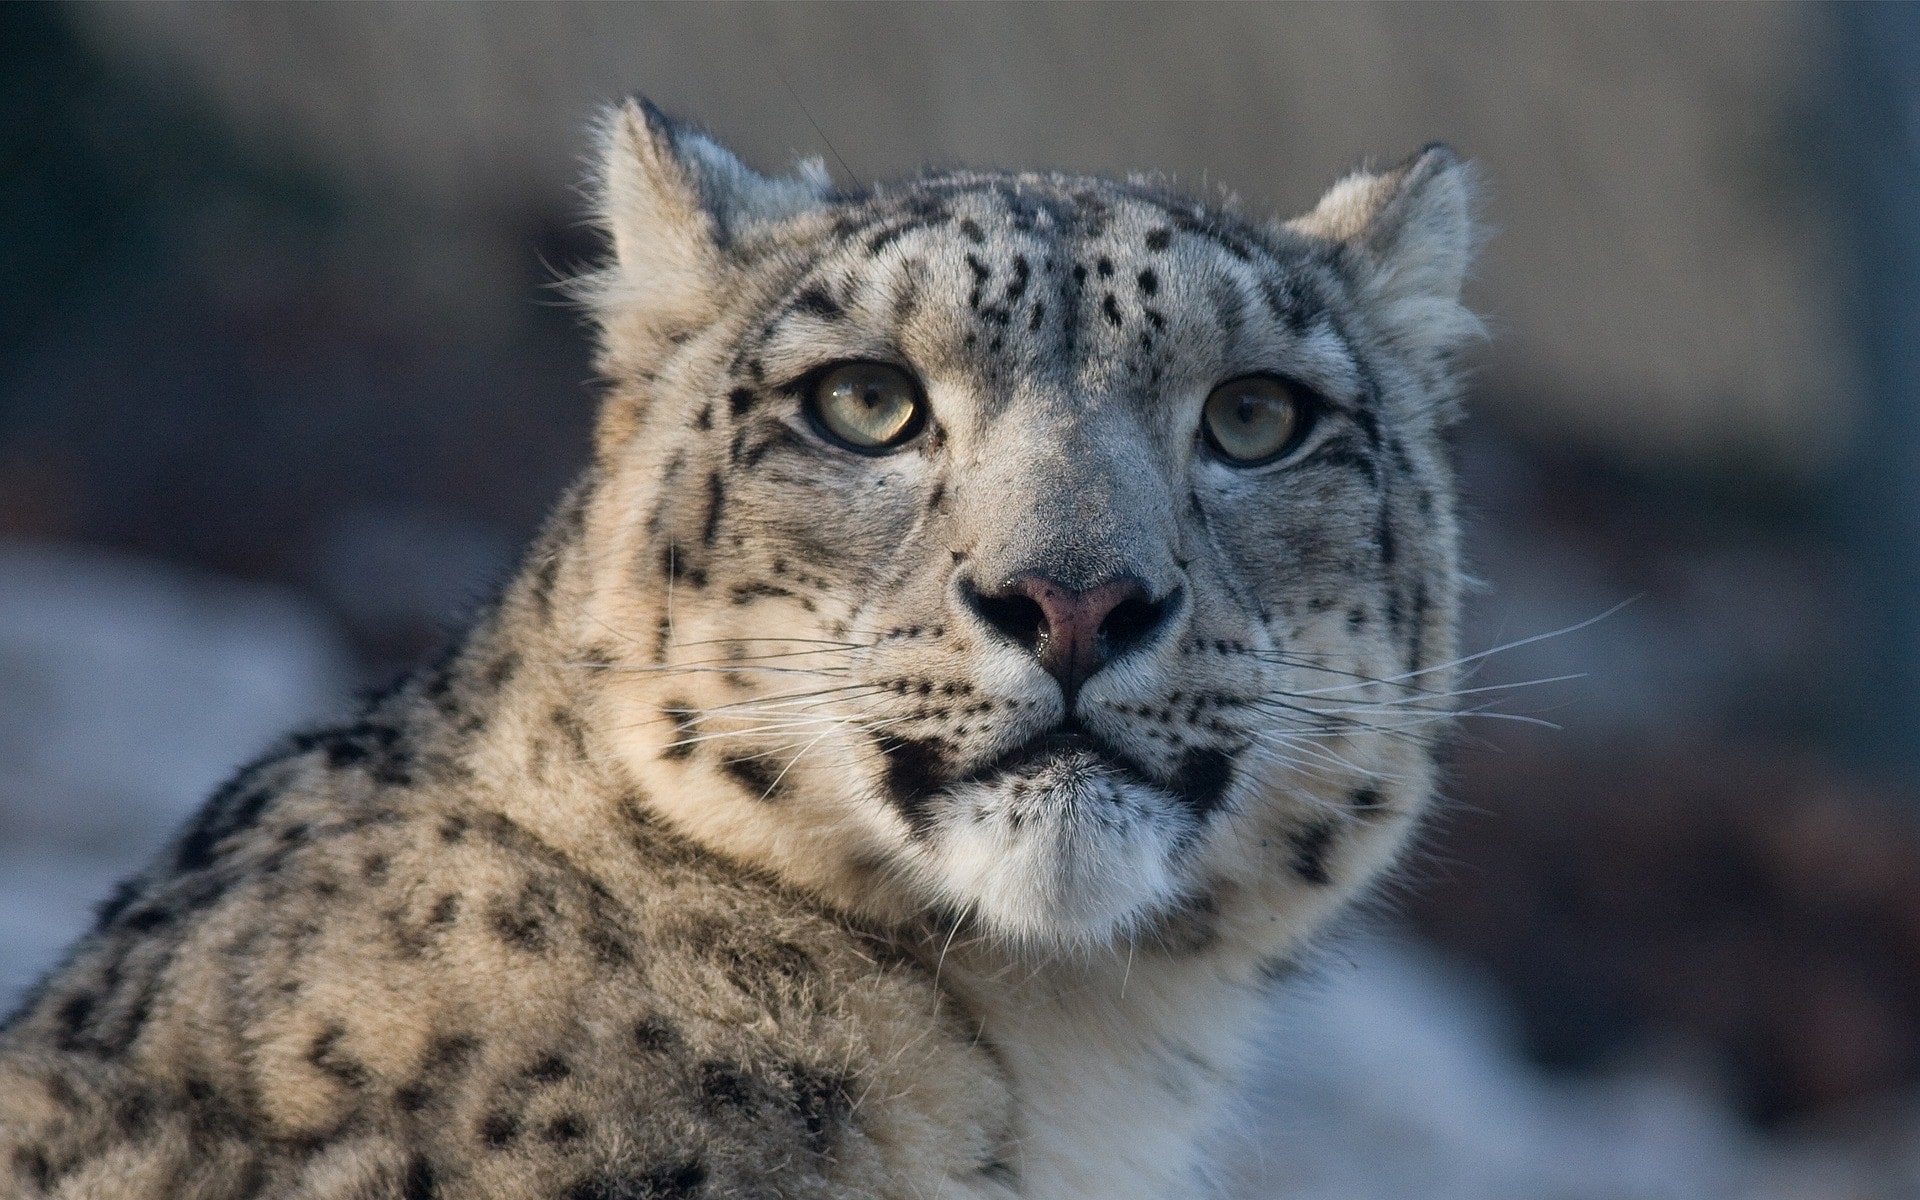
[[1051, 551]]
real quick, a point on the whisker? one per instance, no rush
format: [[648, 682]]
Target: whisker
[[1501, 649]]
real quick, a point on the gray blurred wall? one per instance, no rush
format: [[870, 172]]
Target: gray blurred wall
[[1660, 284]]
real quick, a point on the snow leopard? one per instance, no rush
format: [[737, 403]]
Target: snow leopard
[[1004, 617]]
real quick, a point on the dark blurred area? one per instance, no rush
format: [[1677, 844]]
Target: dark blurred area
[[276, 308]]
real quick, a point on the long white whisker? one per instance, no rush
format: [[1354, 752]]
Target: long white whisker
[[1501, 649]]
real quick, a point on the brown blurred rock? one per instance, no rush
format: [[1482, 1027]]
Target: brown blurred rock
[[1747, 898]]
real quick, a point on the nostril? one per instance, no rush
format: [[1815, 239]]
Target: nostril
[[1133, 621], [1073, 632], [1018, 617]]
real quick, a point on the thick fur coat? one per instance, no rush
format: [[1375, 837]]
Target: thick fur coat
[[811, 818]]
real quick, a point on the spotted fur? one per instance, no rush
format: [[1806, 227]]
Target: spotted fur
[[735, 852]]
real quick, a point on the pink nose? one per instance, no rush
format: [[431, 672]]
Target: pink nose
[[1072, 633]]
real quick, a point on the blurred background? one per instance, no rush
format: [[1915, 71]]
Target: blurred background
[[284, 384]]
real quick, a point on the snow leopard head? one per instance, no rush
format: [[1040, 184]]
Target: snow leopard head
[[1049, 551]]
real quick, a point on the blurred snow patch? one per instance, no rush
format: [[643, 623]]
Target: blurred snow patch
[[1394, 1077], [128, 691]]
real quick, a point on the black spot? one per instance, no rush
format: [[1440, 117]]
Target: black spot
[[1356, 619], [913, 776], [815, 301], [666, 1182], [703, 419], [499, 1128], [739, 400], [685, 720], [569, 724], [1366, 798], [722, 1085], [756, 775], [454, 828], [73, 1016], [549, 1069], [1111, 308], [419, 1183], [747, 593], [522, 922], [822, 1101], [1105, 266], [1286, 306], [972, 230], [502, 670], [1159, 239], [678, 568], [654, 1035], [31, 1162], [444, 910], [62, 1094], [1149, 282], [326, 1056], [1202, 778], [716, 504], [565, 1128], [374, 746], [235, 807], [1022, 272], [1039, 314], [886, 237], [981, 273], [1311, 843], [1218, 235], [609, 949], [1383, 537]]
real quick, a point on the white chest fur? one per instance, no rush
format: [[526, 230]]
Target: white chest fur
[[1120, 1069]]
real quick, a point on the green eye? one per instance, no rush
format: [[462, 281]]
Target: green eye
[[868, 406], [1254, 419]]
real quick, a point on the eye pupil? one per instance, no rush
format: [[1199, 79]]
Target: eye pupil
[[867, 406]]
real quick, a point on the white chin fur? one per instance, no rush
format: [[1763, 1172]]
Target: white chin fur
[[1074, 859]]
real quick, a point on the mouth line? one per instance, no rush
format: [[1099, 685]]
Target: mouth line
[[1065, 739], [917, 783]]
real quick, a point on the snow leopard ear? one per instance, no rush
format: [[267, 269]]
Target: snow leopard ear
[[1407, 235], [674, 201]]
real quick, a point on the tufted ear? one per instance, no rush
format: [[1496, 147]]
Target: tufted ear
[[1408, 236], [674, 201]]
